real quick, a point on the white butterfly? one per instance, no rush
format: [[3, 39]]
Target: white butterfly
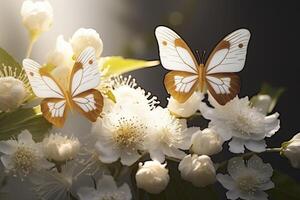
[[217, 75], [80, 95]]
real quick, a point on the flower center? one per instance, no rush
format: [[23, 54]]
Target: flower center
[[24, 159], [129, 133], [248, 183]]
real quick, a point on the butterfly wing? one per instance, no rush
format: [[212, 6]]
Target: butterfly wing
[[54, 110], [85, 76], [228, 57], [181, 85], [223, 87], [44, 86], [89, 104], [175, 55]]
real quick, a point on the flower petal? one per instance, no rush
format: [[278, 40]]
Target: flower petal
[[25, 137], [226, 181], [256, 146], [233, 194], [107, 153], [7, 161], [107, 184], [129, 157], [265, 170], [267, 186], [157, 155], [236, 145], [236, 166], [8, 147], [125, 190], [87, 193]]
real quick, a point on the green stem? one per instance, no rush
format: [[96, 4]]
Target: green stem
[[32, 39]]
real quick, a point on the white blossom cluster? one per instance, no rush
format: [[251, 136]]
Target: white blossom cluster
[[135, 136]]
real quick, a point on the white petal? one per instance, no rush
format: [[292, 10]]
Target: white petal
[[236, 166], [7, 161], [107, 153], [236, 145], [226, 181], [44, 164], [157, 155], [129, 157], [265, 170], [25, 137], [125, 191], [260, 195], [256, 146], [174, 153], [186, 143], [273, 124], [87, 193], [233, 194], [267, 186], [8, 147], [106, 184]]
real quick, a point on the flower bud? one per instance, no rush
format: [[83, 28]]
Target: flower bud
[[12, 93], [37, 16], [206, 142], [291, 150], [187, 108], [84, 38], [153, 177], [60, 148], [262, 102], [197, 169]]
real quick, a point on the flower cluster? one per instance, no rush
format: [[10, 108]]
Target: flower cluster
[[134, 136]]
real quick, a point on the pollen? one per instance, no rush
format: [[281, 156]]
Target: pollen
[[129, 132], [248, 183], [164, 43], [24, 159]]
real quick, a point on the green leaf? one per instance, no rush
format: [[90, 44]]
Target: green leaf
[[180, 189], [11, 124], [285, 187], [8, 60], [116, 65]]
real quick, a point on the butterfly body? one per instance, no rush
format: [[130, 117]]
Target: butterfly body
[[80, 95], [216, 76]]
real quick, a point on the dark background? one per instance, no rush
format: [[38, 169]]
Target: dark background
[[273, 52]]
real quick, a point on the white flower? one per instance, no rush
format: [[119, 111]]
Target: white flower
[[153, 177], [206, 142], [37, 16], [106, 189], [127, 93], [50, 184], [291, 150], [83, 38], [187, 108], [60, 148], [243, 123], [12, 93], [124, 125], [23, 155], [247, 181], [197, 169], [167, 135], [121, 135]]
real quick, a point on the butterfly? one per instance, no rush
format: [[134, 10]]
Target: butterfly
[[217, 76], [81, 94]]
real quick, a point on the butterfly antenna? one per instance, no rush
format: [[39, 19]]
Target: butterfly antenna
[[203, 56], [198, 56]]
